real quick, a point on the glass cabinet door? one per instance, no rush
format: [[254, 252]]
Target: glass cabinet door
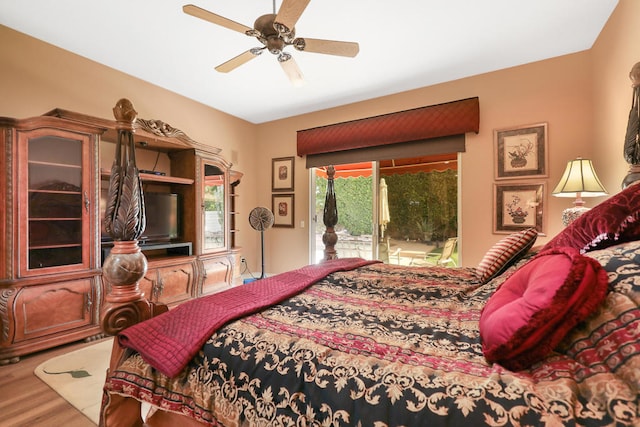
[[56, 201], [213, 200]]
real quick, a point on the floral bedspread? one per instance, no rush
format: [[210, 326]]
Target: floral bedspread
[[387, 345]]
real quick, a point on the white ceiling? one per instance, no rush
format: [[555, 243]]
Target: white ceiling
[[404, 44]]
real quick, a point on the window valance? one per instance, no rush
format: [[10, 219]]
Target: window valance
[[419, 124]]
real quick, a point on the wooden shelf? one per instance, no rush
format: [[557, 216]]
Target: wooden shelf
[[164, 178], [149, 177]]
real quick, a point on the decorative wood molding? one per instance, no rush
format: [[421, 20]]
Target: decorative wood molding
[[9, 135], [632, 137], [124, 221], [160, 128], [165, 130], [5, 296], [124, 214], [330, 218]]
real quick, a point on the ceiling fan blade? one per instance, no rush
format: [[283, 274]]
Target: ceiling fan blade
[[237, 61], [291, 69], [328, 47], [198, 12], [288, 14]]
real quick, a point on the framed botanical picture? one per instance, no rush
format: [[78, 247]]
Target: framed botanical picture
[[282, 174], [521, 152], [518, 206], [283, 209]]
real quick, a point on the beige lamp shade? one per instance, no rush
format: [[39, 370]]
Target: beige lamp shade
[[578, 180]]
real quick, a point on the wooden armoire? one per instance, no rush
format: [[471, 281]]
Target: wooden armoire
[[54, 173]]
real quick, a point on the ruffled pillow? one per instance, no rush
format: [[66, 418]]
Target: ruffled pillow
[[504, 253], [616, 220], [530, 313]]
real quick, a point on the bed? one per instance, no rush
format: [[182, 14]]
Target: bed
[[545, 335], [351, 342]]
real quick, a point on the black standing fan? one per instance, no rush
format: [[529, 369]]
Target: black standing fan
[[261, 219]]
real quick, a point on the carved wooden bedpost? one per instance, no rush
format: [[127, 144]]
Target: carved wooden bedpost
[[124, 221], [330, 218], [632, 137]]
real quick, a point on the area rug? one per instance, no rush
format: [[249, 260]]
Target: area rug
[[78, 376]]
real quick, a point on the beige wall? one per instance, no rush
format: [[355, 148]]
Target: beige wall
[[554, 91], [614, 53], [584, 98], [36, 77]]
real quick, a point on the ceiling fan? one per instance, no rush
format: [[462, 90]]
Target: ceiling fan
[[276, 32]]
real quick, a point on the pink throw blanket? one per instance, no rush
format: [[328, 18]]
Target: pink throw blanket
[[169, 341]]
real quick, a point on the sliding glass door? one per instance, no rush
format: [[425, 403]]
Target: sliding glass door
[[399, 211]]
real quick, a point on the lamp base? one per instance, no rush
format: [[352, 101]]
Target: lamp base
[[571, 214]]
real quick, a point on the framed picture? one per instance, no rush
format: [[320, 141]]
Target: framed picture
[[518, 207], [282, 174], [521, 152], [283, 209]]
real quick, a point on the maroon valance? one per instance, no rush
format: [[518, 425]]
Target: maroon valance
[[451, 118]]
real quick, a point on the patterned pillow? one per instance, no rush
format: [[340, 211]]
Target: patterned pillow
[[616, 220], [505, 253], [530, 313]]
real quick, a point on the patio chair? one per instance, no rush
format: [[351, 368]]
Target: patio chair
[[445, 257]]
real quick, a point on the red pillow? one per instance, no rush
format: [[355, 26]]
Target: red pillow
[[616, 220], [530, 313], [505, 253]]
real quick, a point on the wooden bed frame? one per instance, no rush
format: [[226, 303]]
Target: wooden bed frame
[[125, 305]]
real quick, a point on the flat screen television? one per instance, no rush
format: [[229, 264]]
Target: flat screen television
[[162, 212]]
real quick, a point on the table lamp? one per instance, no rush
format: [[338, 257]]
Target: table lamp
[[579, 180]]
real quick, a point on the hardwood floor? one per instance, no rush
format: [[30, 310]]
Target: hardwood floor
[[27, 401]]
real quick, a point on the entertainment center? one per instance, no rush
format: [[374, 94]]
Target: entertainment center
[[54, 180]]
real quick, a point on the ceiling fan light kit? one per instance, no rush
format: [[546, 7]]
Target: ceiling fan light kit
[[276, 32]]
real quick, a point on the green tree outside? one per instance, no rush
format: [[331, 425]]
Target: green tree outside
[[423, 206]]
